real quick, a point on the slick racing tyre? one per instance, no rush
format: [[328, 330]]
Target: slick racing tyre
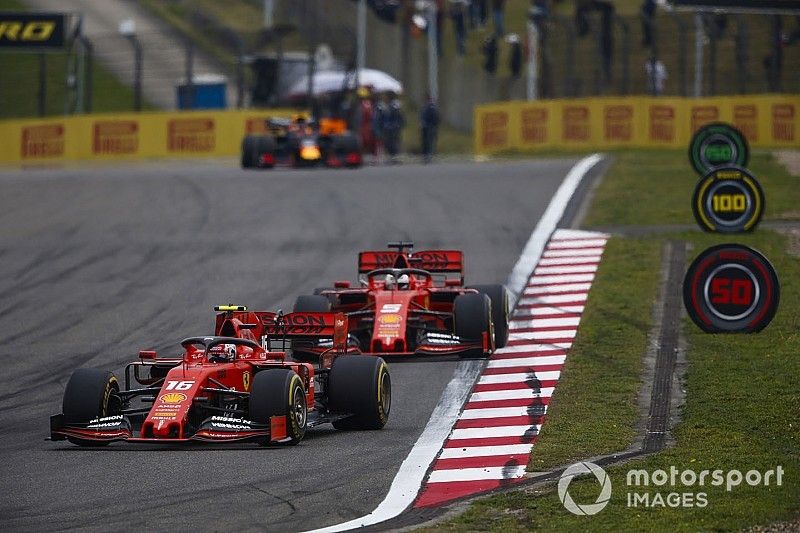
[[280, 392], [360, 385], [309, 303], [265, 145], [90, 394], [472, 314], [499, 297], [249, 151]]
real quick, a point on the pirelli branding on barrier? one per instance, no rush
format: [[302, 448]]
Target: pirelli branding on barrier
[[662, 124], [783, 122], [44, 141], [618, 123], [194, 135], [31, 30], [576, 121], [495, 129], [745, 118], [115, 137], [768, 121], [535, 125]]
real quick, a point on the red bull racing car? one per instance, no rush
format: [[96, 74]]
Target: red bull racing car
[[298, 142], [231, 386], [413, 303]]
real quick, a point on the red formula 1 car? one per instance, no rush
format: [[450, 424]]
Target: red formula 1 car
[[302, 143], [414, 302], [231, 387]]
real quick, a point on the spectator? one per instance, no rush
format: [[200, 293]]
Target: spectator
[[515, 55], [440, 4], [365, 106], [656, 75], [478, 13], [497, 16], [381, 112], [490, 54], [429, 122], [646, 11], [393, 129], [458, 16]]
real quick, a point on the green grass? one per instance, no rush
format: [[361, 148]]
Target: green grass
[[741, 403], [608, 351], [19, 84], [655, 187]]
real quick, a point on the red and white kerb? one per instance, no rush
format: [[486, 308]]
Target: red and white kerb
[[492, 439]]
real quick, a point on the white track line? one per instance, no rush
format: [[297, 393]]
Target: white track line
[[555, 289], [527, 361], [548, 375], [554, 299], [547, 224], [543, 335], [545, 322], [495, 412], [562, 278], [497, 431], [408, 480], [583, 252], [510, 394], [534, 347], [570, 244], [539, 311], [555, 261], [485, 451], [477, 474]]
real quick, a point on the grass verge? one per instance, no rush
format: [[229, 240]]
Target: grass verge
[[742, 399]]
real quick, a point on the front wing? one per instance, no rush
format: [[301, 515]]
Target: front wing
[[213, 429]]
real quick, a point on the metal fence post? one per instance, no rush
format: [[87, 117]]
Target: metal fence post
[[42, 84], [88, 52], [682, 51], [570, 88], [137, 71], [741, 52], [189, 87], [625, 55]]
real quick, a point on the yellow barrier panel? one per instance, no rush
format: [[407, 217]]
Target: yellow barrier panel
[[768, 121], [130, 136]]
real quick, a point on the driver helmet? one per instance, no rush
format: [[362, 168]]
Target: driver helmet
[[403, 281], [389, 282]]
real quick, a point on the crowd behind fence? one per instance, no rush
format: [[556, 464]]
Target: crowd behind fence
[[590, 54]]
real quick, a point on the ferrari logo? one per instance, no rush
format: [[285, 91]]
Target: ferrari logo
[[246, 380]]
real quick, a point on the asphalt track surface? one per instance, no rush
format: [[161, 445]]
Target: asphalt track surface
[[98, 263]]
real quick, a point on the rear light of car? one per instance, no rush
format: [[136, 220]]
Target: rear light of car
[[267, 159], [353, 158]]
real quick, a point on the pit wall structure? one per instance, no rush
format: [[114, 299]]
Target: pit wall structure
[[129, 136], [768, 121]]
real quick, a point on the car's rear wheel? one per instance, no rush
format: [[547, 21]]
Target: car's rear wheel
[[280, 392], [499, 297], [360, 385], [249, 151], [90, 394], [265, 145], [472, 315], [312, 303]]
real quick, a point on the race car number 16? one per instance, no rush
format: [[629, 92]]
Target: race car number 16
[[179, 385]]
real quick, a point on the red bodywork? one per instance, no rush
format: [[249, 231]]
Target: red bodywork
[[418, 319], [214, 373]]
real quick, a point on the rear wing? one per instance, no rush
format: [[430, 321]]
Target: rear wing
[[267, 326], [434, 261]]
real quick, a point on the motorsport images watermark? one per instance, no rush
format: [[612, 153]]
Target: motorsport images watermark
[[644, 488]]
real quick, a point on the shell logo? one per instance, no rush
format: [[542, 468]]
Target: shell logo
[[389, 319], [173, 397]]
